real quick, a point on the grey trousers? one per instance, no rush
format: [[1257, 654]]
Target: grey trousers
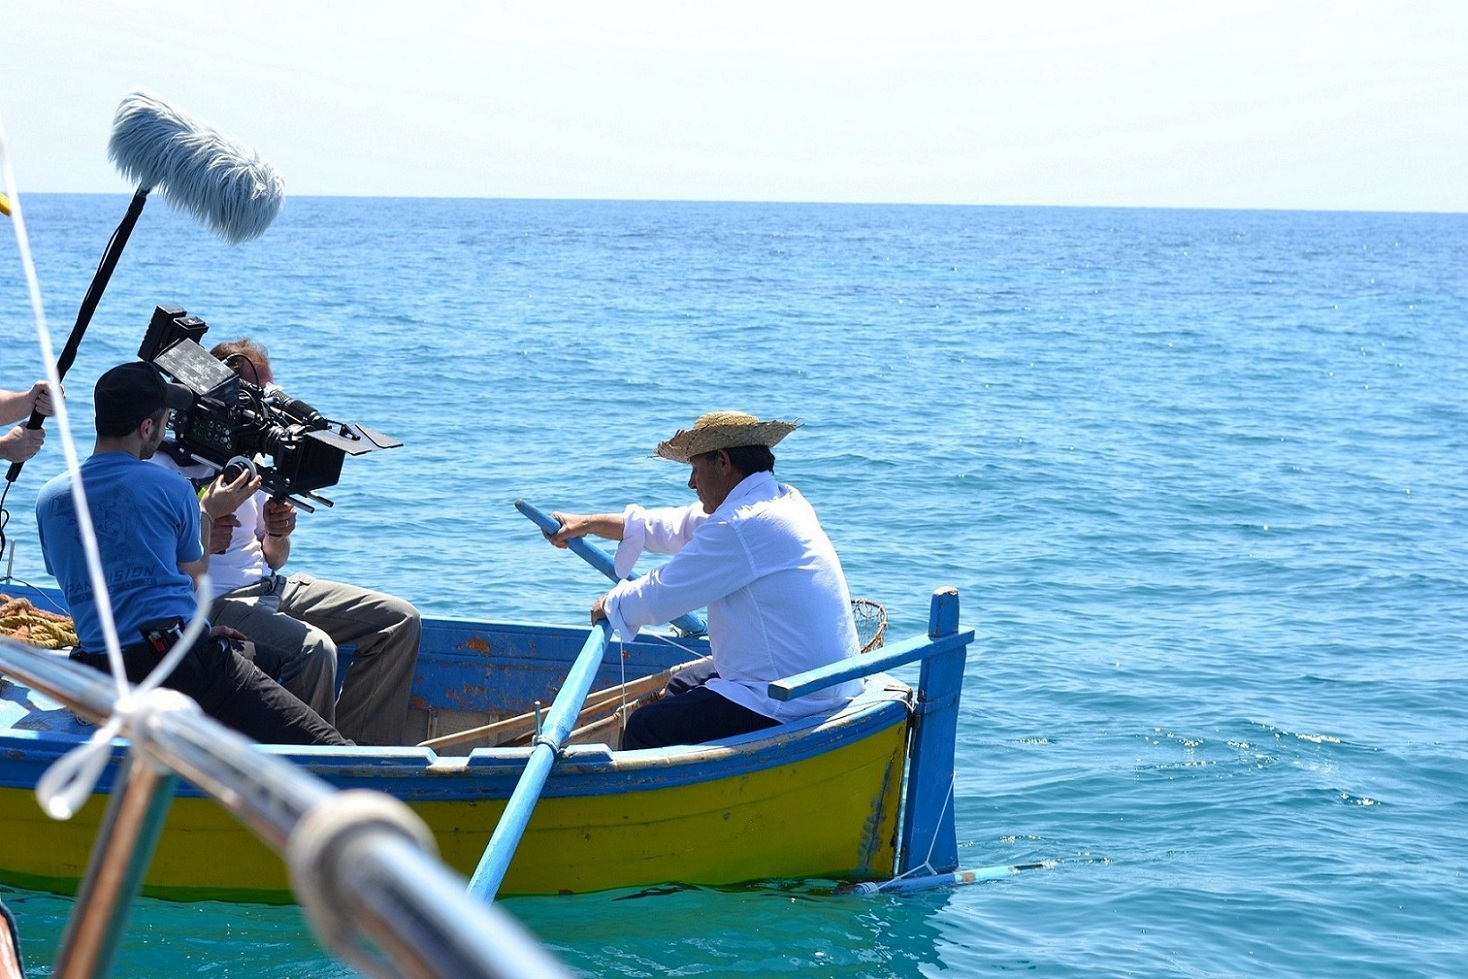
[[314, 616]]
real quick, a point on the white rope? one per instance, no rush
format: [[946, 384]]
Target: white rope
[[670, 642], [927, 864], [622, 711], [947, 807], [64, 787]]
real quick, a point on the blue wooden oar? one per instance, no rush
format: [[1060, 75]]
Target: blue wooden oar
[[691, 624], [953, 878], [559, 722]]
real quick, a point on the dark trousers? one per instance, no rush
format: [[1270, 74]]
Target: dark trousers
[[690, 713], [230, 689]]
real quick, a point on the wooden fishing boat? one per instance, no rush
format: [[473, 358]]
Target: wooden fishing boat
[[862, 795]]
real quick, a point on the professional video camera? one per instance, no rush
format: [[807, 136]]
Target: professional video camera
[[235, 423]]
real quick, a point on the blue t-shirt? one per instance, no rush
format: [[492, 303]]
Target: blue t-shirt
[[147, 523]]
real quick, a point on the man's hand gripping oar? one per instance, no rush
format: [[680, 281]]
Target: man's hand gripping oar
[[688, 625]]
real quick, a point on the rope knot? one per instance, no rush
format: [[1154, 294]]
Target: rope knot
[[65, 786]]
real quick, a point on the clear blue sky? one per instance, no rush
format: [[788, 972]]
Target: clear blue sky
[[1358, 104]]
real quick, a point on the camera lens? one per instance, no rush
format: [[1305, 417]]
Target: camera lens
[[234, 467]]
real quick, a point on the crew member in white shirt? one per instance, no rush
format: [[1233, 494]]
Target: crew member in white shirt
[[306, 616], [751, 550]]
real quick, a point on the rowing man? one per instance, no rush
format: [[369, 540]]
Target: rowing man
[[753, 552]]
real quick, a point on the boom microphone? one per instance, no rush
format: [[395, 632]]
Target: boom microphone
[[198, 170]]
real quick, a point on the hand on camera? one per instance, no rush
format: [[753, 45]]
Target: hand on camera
[[280, 518], [221, 499]]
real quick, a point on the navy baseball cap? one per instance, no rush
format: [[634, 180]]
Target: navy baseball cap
[[128, 393]]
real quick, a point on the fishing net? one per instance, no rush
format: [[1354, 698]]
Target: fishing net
[[871, 623]]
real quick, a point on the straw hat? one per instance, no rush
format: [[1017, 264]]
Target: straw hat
[[723, 430]]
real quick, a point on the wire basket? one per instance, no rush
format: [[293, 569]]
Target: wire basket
[[871, 623]]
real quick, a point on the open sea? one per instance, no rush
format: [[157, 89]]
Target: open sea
[[1199, 477]]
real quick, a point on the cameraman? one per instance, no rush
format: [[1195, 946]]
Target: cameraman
[[147, 525], [303, 613]]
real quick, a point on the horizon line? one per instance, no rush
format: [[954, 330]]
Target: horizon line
[[1304, 209]]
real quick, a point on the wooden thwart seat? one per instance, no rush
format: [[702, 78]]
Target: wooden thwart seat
[[600, 716]]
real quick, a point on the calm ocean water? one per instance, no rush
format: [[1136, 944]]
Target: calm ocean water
[[1198, 475]]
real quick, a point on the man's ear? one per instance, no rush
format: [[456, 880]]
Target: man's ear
[[148, 425]]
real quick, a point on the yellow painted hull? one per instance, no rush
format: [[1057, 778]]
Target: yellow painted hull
[[812, 798], [833, 813]]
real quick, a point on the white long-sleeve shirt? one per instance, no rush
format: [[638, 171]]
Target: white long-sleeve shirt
[[776, 596]]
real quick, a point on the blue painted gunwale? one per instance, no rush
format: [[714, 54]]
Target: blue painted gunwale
[[421, 775]]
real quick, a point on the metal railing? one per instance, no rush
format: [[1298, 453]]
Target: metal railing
[[362, 864]]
